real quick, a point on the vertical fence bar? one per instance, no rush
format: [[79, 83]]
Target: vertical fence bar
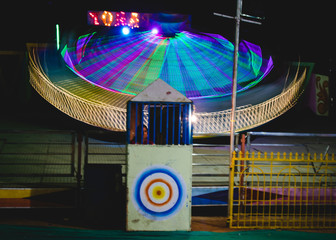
[[270, 193], [230, 198], [141, 124], [136, 124], [253, 175], [173, 130], [186, 123], [183, 125], [167, 123], [288, 196], [307, 191], [154, 124], [179, 125], [185, 128], [161, 106], [148, 122], [189, 124], [128, 124], [242, 162]]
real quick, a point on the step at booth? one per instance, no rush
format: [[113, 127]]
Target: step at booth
[[159, 160]]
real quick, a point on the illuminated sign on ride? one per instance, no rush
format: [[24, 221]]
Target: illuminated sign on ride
[[115, 19]]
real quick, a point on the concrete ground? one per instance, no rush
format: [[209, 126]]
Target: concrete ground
[[67, 219]]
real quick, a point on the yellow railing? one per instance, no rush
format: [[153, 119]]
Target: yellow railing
[[283, 191]]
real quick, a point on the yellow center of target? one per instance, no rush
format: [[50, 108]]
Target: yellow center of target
[[158, 192]]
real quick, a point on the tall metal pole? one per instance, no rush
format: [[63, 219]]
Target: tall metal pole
[[233, 100]]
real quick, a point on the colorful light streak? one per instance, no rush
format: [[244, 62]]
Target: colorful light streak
[[57, 37], [198, 66]]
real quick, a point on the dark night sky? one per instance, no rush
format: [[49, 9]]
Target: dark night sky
[[290, 27]]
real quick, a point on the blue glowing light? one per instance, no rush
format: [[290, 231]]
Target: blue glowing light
[[155, 31], [125, 30]]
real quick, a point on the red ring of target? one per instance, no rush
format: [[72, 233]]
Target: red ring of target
[[155, 181]]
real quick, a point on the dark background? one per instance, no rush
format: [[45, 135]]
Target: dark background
[[290, 28], [291, 31]]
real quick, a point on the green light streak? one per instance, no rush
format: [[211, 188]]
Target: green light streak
[[57, 37]]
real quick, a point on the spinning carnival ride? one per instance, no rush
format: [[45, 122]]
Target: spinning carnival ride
[[107, 70], [198, 66]]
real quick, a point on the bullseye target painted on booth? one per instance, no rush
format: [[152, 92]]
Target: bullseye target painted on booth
[[158, 192]]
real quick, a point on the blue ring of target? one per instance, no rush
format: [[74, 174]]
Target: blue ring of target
[[170, 211]]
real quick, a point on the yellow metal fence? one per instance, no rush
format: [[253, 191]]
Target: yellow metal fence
[[283, 191]]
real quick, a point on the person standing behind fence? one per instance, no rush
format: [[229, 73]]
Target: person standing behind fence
[[144, 133]]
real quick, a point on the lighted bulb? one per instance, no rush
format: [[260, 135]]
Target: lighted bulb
[[155, 31], [125, 30], [193, 118]]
